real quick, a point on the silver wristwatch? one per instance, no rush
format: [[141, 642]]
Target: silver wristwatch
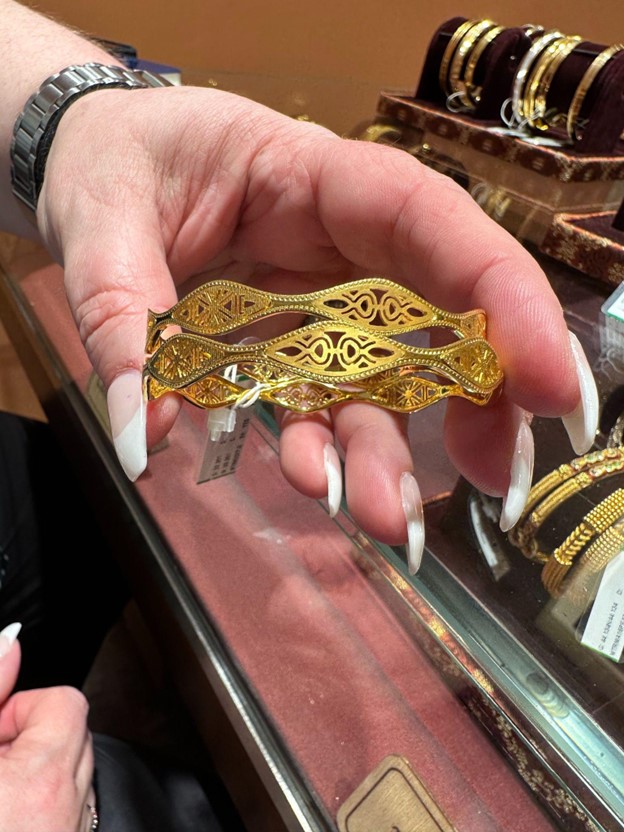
[[37, 123]]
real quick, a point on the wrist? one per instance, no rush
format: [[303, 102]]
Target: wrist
[[36, 125]]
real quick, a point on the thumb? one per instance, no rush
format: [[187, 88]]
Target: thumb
[[114, 273], [10, 657]]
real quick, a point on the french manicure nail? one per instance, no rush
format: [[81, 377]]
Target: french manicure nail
[[127, 413], [521, 475], [413, 510], [333, 472], [582, 423], [7, 638]]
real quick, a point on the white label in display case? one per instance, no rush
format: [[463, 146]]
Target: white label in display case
[[604, 630], [613, 307]]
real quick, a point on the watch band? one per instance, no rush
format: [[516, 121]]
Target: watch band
[[36, 125]]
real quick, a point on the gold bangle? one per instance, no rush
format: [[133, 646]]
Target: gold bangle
[[531, 30], [594, 559], [555, 488], [542, 78], [325, 352], [457, 35], [376, 304], [525, 67], [537, 72], [590, 75], [348, 355], [404, 392], [597, 521], [465, 46], [472, 96]]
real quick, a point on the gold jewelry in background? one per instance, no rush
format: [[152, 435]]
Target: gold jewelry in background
[[525, 67], [597, 522], [545, 68], [447, 56], [471, 95], [465, 46], [596, 557], [591, 73], [554, 489]]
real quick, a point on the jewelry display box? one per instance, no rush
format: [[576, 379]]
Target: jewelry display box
[[562, 193]]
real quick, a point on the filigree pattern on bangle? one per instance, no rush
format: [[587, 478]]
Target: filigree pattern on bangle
[[376, 304], [404, 392], [323, 363], [326, 352]]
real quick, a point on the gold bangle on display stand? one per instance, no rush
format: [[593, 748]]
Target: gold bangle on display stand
[[445, 63], [531, 30], [595, 523], [541, 79], [525, 67], [593, 560], [465, 46], [555, 488], [471, 96], [591, 73]]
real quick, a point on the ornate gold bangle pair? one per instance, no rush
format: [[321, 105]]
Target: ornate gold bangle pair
[[600, 531], [347, 354]]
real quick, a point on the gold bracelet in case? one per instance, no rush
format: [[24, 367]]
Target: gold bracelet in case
[[554, 489], [37, 123], [595, 525]]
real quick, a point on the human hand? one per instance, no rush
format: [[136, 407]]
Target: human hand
[[146, 190], [46, 757]]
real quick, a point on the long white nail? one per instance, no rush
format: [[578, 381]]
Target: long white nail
[[521, 474], [127, 413], [333, 471], [7, 637], [413, 510], [582, 423]]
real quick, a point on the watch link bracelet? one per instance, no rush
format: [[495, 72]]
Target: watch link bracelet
[[36, 125]]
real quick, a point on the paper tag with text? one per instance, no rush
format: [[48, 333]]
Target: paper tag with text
[[221, 455], [604, 630]]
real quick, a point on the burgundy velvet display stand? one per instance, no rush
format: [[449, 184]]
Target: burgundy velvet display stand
[[568, 204], [494, 72], [602, 109]]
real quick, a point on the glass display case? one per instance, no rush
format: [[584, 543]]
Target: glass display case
[[308, 656]]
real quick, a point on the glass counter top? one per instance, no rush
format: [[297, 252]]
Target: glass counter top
[[326, 655]]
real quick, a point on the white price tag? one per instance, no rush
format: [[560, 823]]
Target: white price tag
[[614, 304], [604, 631], [221, 456]]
